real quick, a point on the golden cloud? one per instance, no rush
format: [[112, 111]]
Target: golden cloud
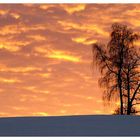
[[45, 75], [46, 6], [90, 98], [135, 22], [73, 8], [10, 81], [15, 15], [98, 112], [10, 29], [41, 49], [79, 39], [63, 111], [57, 54], [40, 114], [84, 40], [99, 101], [37, 37], [83, 27], [133, 12], [61, 55], [137, 43], [12, 46], [18, 108], [9, 47], [4, 114], [68, 8], [19, 69], [3, 12], [35, 90], [20, 28]]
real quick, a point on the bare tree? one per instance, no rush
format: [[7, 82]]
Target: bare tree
[[118, 63]]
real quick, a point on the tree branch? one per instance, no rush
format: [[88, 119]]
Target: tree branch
[[133, 97]]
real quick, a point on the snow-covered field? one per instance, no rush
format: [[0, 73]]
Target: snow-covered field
[[86, 125]]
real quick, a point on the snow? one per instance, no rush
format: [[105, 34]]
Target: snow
[[84, 125]]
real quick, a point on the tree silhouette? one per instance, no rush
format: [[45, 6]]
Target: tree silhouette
[[117, 111], [118, 63]]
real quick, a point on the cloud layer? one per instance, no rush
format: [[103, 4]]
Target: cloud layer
[[46, 58]]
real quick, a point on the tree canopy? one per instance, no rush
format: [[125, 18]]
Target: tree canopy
[[119, 62]]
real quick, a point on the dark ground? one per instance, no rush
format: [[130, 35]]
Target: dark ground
[[86, 125]]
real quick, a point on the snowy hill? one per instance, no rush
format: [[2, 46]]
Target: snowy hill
[[86, 125]]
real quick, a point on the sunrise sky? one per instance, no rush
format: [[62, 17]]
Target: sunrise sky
[[46, 56]]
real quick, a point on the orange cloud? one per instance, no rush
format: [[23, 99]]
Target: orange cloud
[[18, 108], [133, 12], [10, 29], [37, 37], [9, 47], [61, 55], [45, 75], [10, 81], [35, 90], [83, 40], [40, 114], [98, 112], [20, 28], [3, 12], [4, 114], [41, 50], [63, 111], [90, 98], [135, 22], [19, 69], [79, 39], [99, 101], [46, 6], [15, 15], [137, 43], [57, 54], [67, 25], [12, 46], [73, 8]]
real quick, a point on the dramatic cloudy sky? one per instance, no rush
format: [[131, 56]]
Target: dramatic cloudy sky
[[46, 57]]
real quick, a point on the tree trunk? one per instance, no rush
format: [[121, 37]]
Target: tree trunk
[[129, 109], [121, 97], [121, 101], [128, 94]]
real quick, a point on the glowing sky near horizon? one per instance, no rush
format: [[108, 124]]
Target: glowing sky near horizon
[[46, 58]]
